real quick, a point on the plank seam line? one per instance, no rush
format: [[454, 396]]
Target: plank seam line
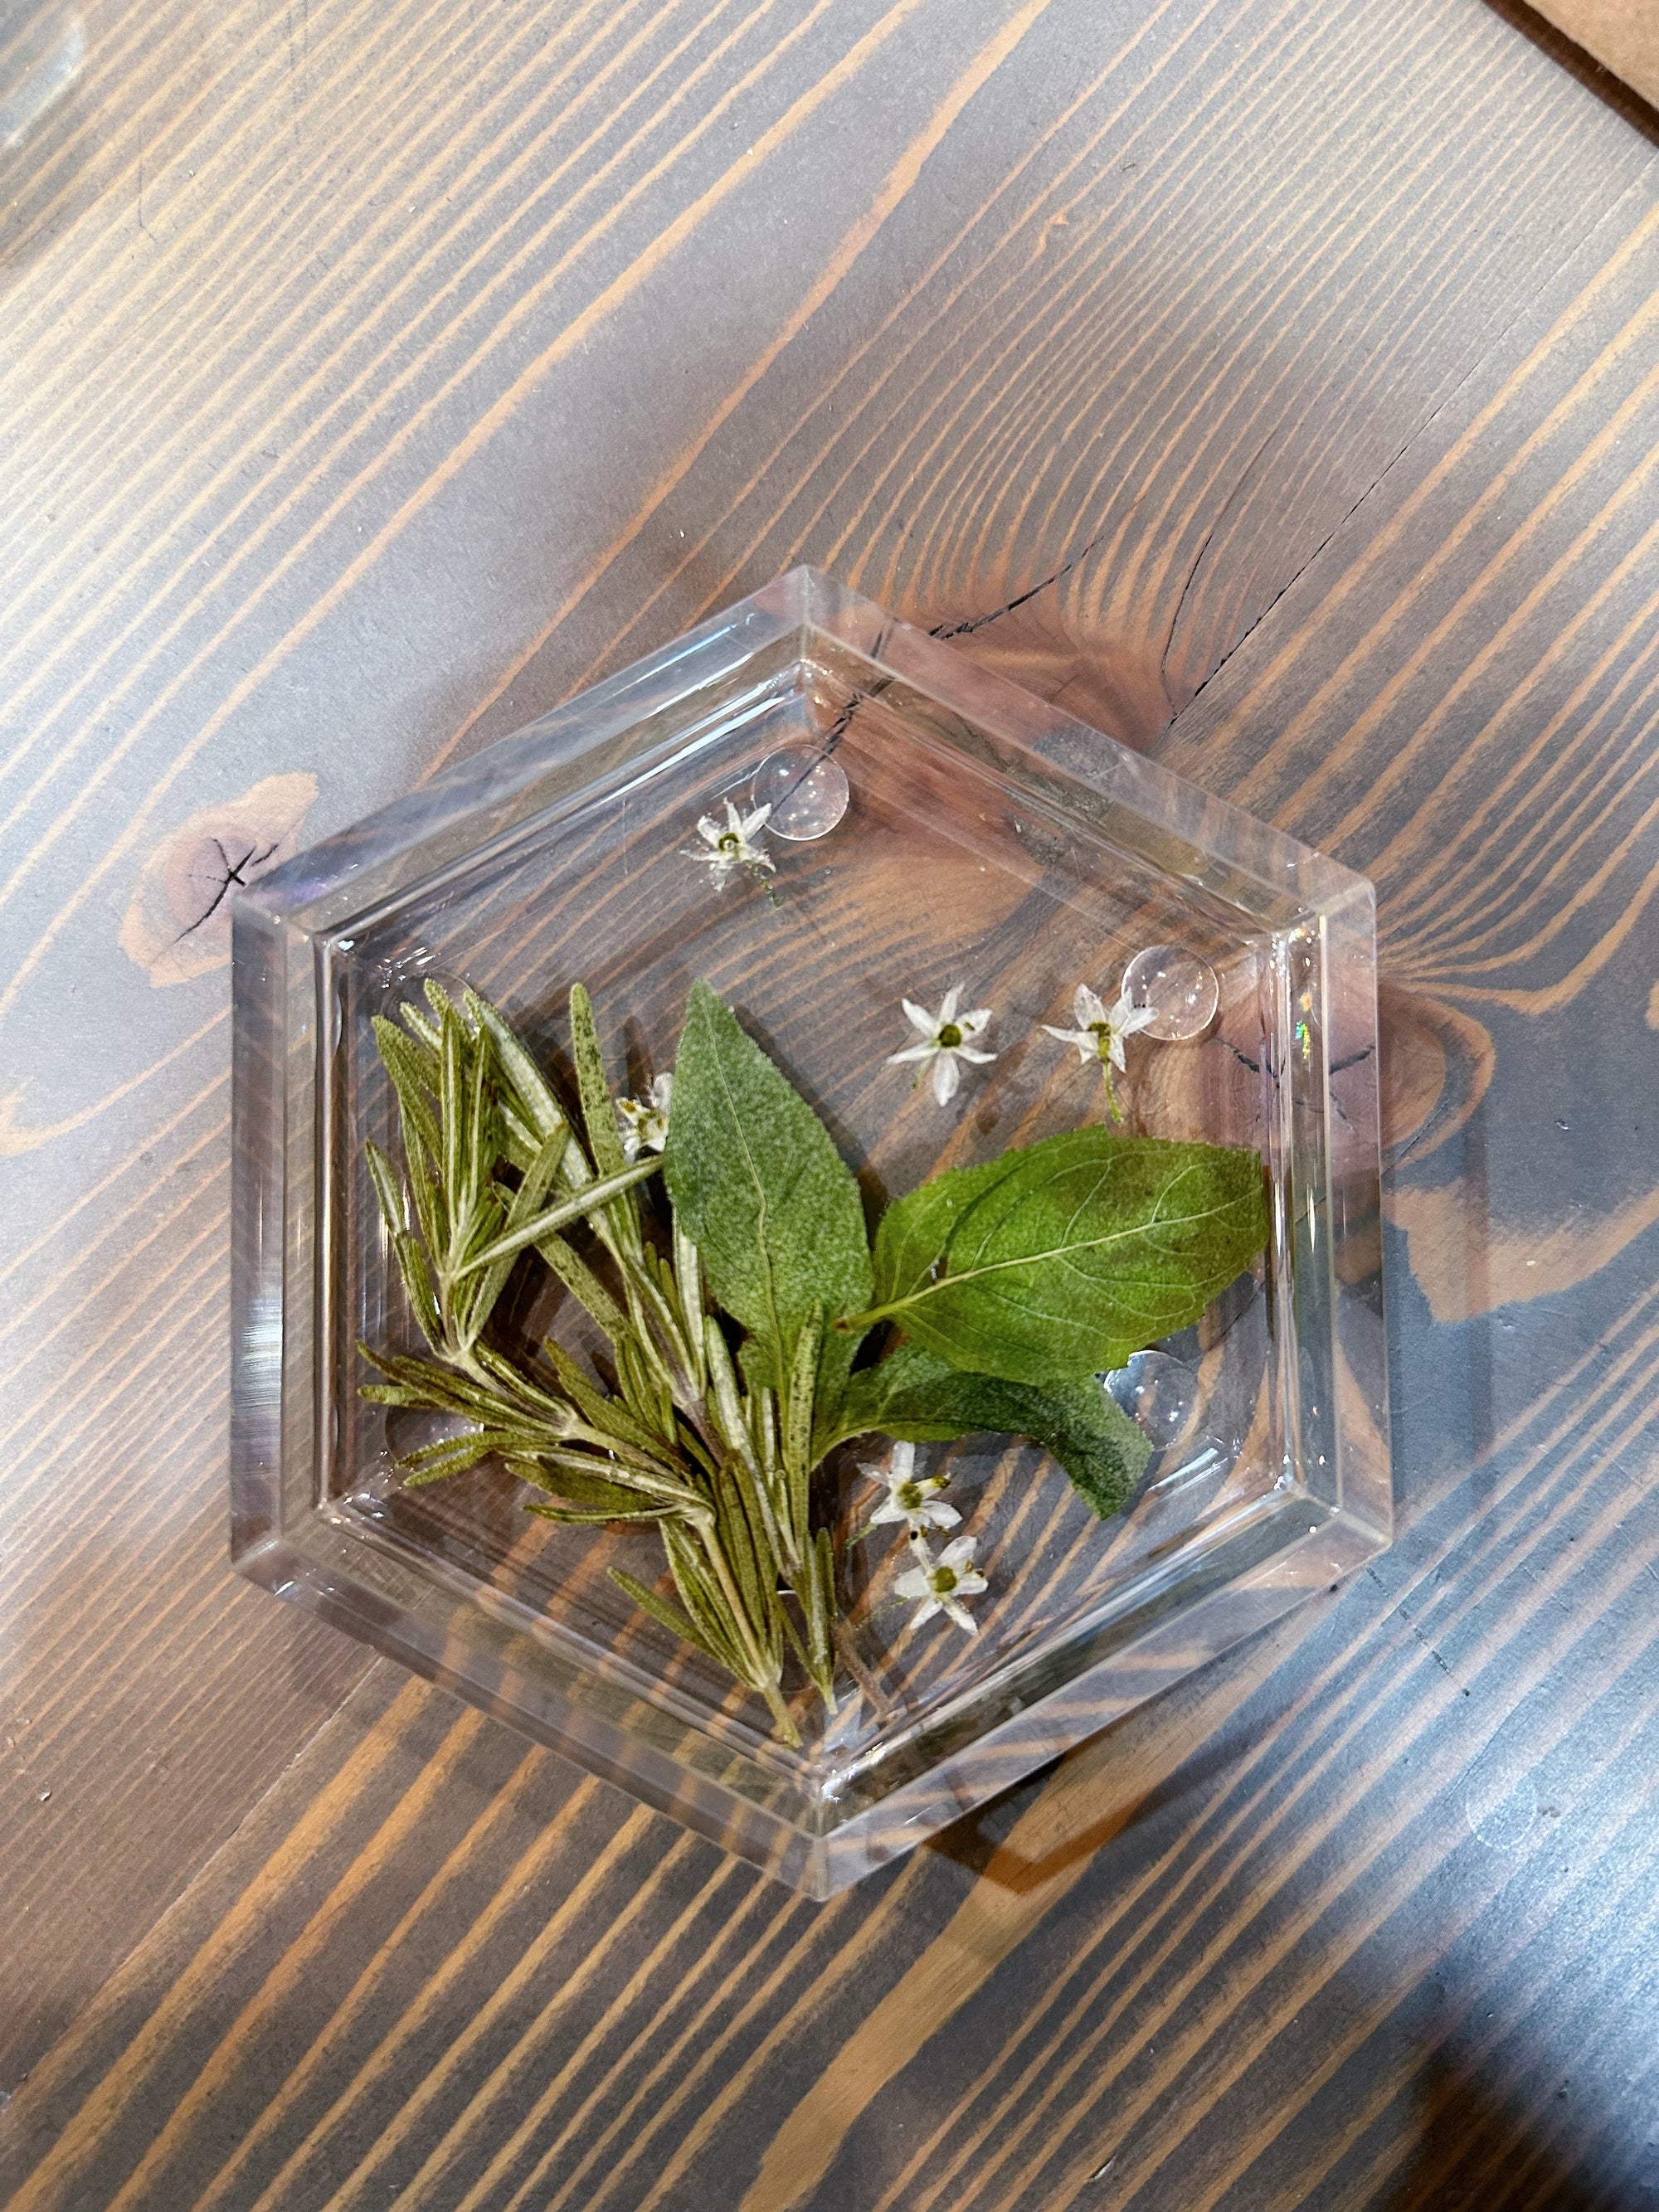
[[1522, 308]]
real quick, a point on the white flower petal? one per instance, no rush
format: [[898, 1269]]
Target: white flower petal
[[924, 1613], [959, 1614], [1117, 1053], [710, 829], [972, 1052], [1128, 1019], [757, 820], [947, 1012], [919, 1018], [959, 1551], [946, 1076], [971, 1024], [1087, 1007], [914, 1052], [903, 1461], [892, 1512], [662, 1093], [971, 1582], [913, 1582], [938, 1514]]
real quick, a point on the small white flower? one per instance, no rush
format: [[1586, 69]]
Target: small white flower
[[645, 1121], [1101, 1030], [939, 1585], [912, 1498], [948, 1040], [732, 846]]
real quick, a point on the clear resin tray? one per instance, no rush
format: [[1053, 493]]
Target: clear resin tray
[[931, 827]]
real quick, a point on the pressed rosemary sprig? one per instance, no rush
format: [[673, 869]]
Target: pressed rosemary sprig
[[682, 1440], [739, 1316]]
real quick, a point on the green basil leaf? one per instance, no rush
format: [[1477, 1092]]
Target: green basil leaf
[[915, 1395], [1059, 1261], [759, 1185]]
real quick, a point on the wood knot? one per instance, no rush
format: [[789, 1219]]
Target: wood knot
[[178, 921]]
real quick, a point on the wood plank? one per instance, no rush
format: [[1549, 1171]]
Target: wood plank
[[1358, 1917], [338, 435]]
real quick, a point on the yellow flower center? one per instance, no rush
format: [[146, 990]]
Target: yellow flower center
[[950, 1037]]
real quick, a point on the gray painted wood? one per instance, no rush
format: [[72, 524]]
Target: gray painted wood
[[373, 378]]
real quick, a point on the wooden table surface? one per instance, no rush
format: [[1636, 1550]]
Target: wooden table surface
[[1275, 381]]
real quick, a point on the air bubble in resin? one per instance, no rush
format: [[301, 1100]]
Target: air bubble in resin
[[806, 788], [1180, 989], [1158, 1392]]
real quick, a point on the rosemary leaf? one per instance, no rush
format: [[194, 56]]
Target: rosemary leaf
[[583, 1202], [451, 1110], [584, 1285], [430, 1209], [414, 1070], [737, 1540], [688, 1276], [820, 1608], [563, 1475], [692, 1580], [539, 1177], [599, 1410], [668, 1616], [393, 1200], [417, 1286], [539, 1109], [481, 1153], [723, 1384], [797, 1419], [436, 1462], [598, 1107], [422, 1143], [438, 999], [600, 1120], [589, 1516], [426, 1034]]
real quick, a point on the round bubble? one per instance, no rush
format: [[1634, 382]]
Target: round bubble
[[806, 790], [1158, 1392], [1180, 989]]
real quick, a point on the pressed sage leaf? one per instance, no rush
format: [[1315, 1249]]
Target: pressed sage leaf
[[759, 1185], [1063, 1258], [918, 1396]]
